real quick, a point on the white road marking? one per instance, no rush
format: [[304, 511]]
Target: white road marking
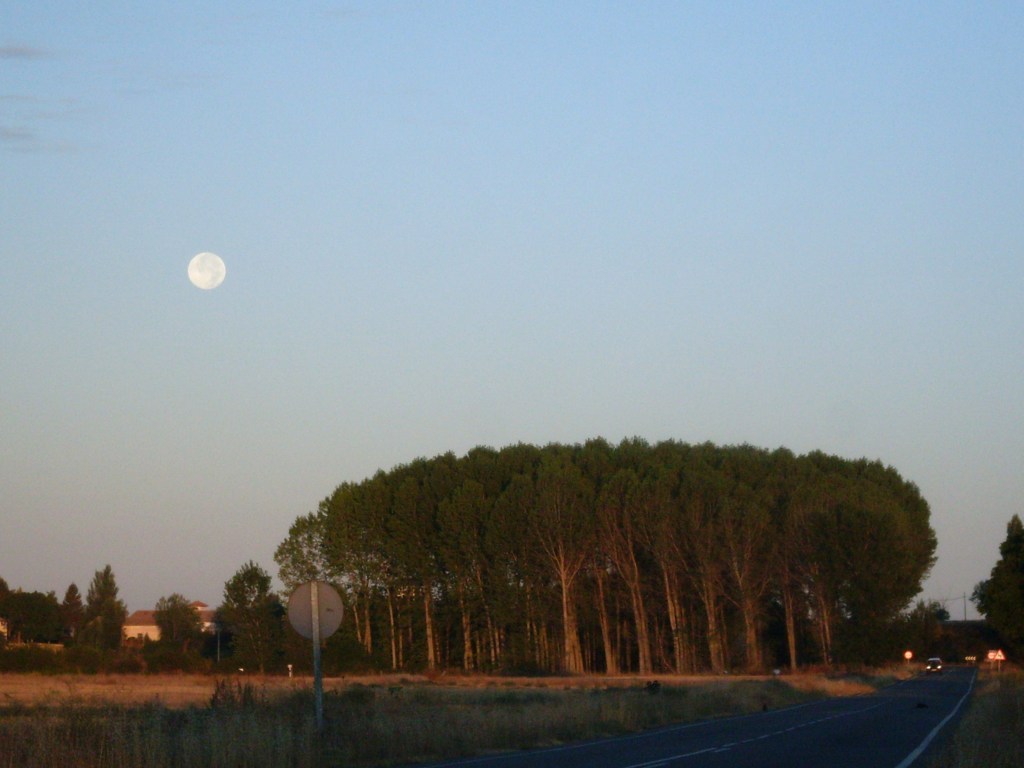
[[725, 747], [935, 731]]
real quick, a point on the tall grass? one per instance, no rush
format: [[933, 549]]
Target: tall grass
[[991, 732], [243, 727]]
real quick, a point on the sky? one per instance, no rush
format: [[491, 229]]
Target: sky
[[451, 224]]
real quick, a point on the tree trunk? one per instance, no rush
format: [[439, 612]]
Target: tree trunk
[[467, 633], [789, 608], [428, 619], [573, 656], [681, 649], [611, 662], [357, 618], [394, 632], [751, 634], [643, 637], [825, 630], [709, 597], [368, 627]]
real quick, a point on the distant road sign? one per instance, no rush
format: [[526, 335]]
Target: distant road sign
[[908, 655], [300, 610], [999, 656]]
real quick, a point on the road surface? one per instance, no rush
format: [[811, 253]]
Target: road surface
[[888, 729]]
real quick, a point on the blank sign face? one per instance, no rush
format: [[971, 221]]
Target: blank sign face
[[300, 609]]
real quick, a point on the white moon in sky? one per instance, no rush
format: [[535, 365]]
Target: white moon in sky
[[206, 271]]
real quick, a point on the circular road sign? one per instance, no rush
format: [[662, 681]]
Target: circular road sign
[[300, 609]]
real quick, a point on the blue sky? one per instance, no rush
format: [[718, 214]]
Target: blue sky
[[449, 224]]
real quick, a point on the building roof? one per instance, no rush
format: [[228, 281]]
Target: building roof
[[141, 619], [148, 618]]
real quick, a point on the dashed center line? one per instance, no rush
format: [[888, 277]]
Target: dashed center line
[[725, 747]]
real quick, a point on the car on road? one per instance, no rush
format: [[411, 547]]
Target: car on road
[[934, 665]]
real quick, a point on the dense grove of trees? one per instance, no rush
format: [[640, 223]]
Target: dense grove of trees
[[630, 557], [37, 617]]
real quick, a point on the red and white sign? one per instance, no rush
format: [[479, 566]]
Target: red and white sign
[[996, 656], [908, 655]]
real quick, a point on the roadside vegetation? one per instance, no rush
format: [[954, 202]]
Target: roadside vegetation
[[392, 723], [991, 732]]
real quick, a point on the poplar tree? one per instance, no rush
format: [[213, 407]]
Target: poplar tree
[[631, 557]]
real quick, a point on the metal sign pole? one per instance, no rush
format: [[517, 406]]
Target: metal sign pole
[[304, 614], [318, 682]]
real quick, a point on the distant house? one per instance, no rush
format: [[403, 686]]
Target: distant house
[[141, 626], [3, 628]]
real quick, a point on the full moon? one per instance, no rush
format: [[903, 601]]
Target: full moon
[[206, 271]]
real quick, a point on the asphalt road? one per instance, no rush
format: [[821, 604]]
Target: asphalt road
[[889, 729]]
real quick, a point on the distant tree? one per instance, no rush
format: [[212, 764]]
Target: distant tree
[[178, 620], [103, 620], [1001, 597], [32, 617], [924, 627], [253, 615], [302, 556], [4, 589], [72, 611]]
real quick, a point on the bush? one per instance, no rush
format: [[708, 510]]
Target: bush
[[157, 657], [31, 658], [85, 659]]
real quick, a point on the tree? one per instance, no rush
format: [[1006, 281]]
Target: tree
[[178, 620], [622, 506], [924, 627], [103, 620], [72, 611], [564, 527], [461, 519], [1000, 599], [253, 615], [32, 617], [653, 558], [302, 557]]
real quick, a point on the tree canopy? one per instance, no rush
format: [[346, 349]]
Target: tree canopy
[[32, 617], [253, 616], [178, 620], [1000, 598], [72, 611], [600, 557], [105, 613]]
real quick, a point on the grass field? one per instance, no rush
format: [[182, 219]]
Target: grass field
[[162, 721], [991, 732]]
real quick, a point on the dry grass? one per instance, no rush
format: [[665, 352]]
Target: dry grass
[[181, 690], [991, 732], [180, 720]]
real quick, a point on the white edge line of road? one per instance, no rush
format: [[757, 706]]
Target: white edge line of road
[[909, 759], [469, 761]]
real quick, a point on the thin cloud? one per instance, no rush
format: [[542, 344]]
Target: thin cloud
[[21, 52], [15, 135]]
